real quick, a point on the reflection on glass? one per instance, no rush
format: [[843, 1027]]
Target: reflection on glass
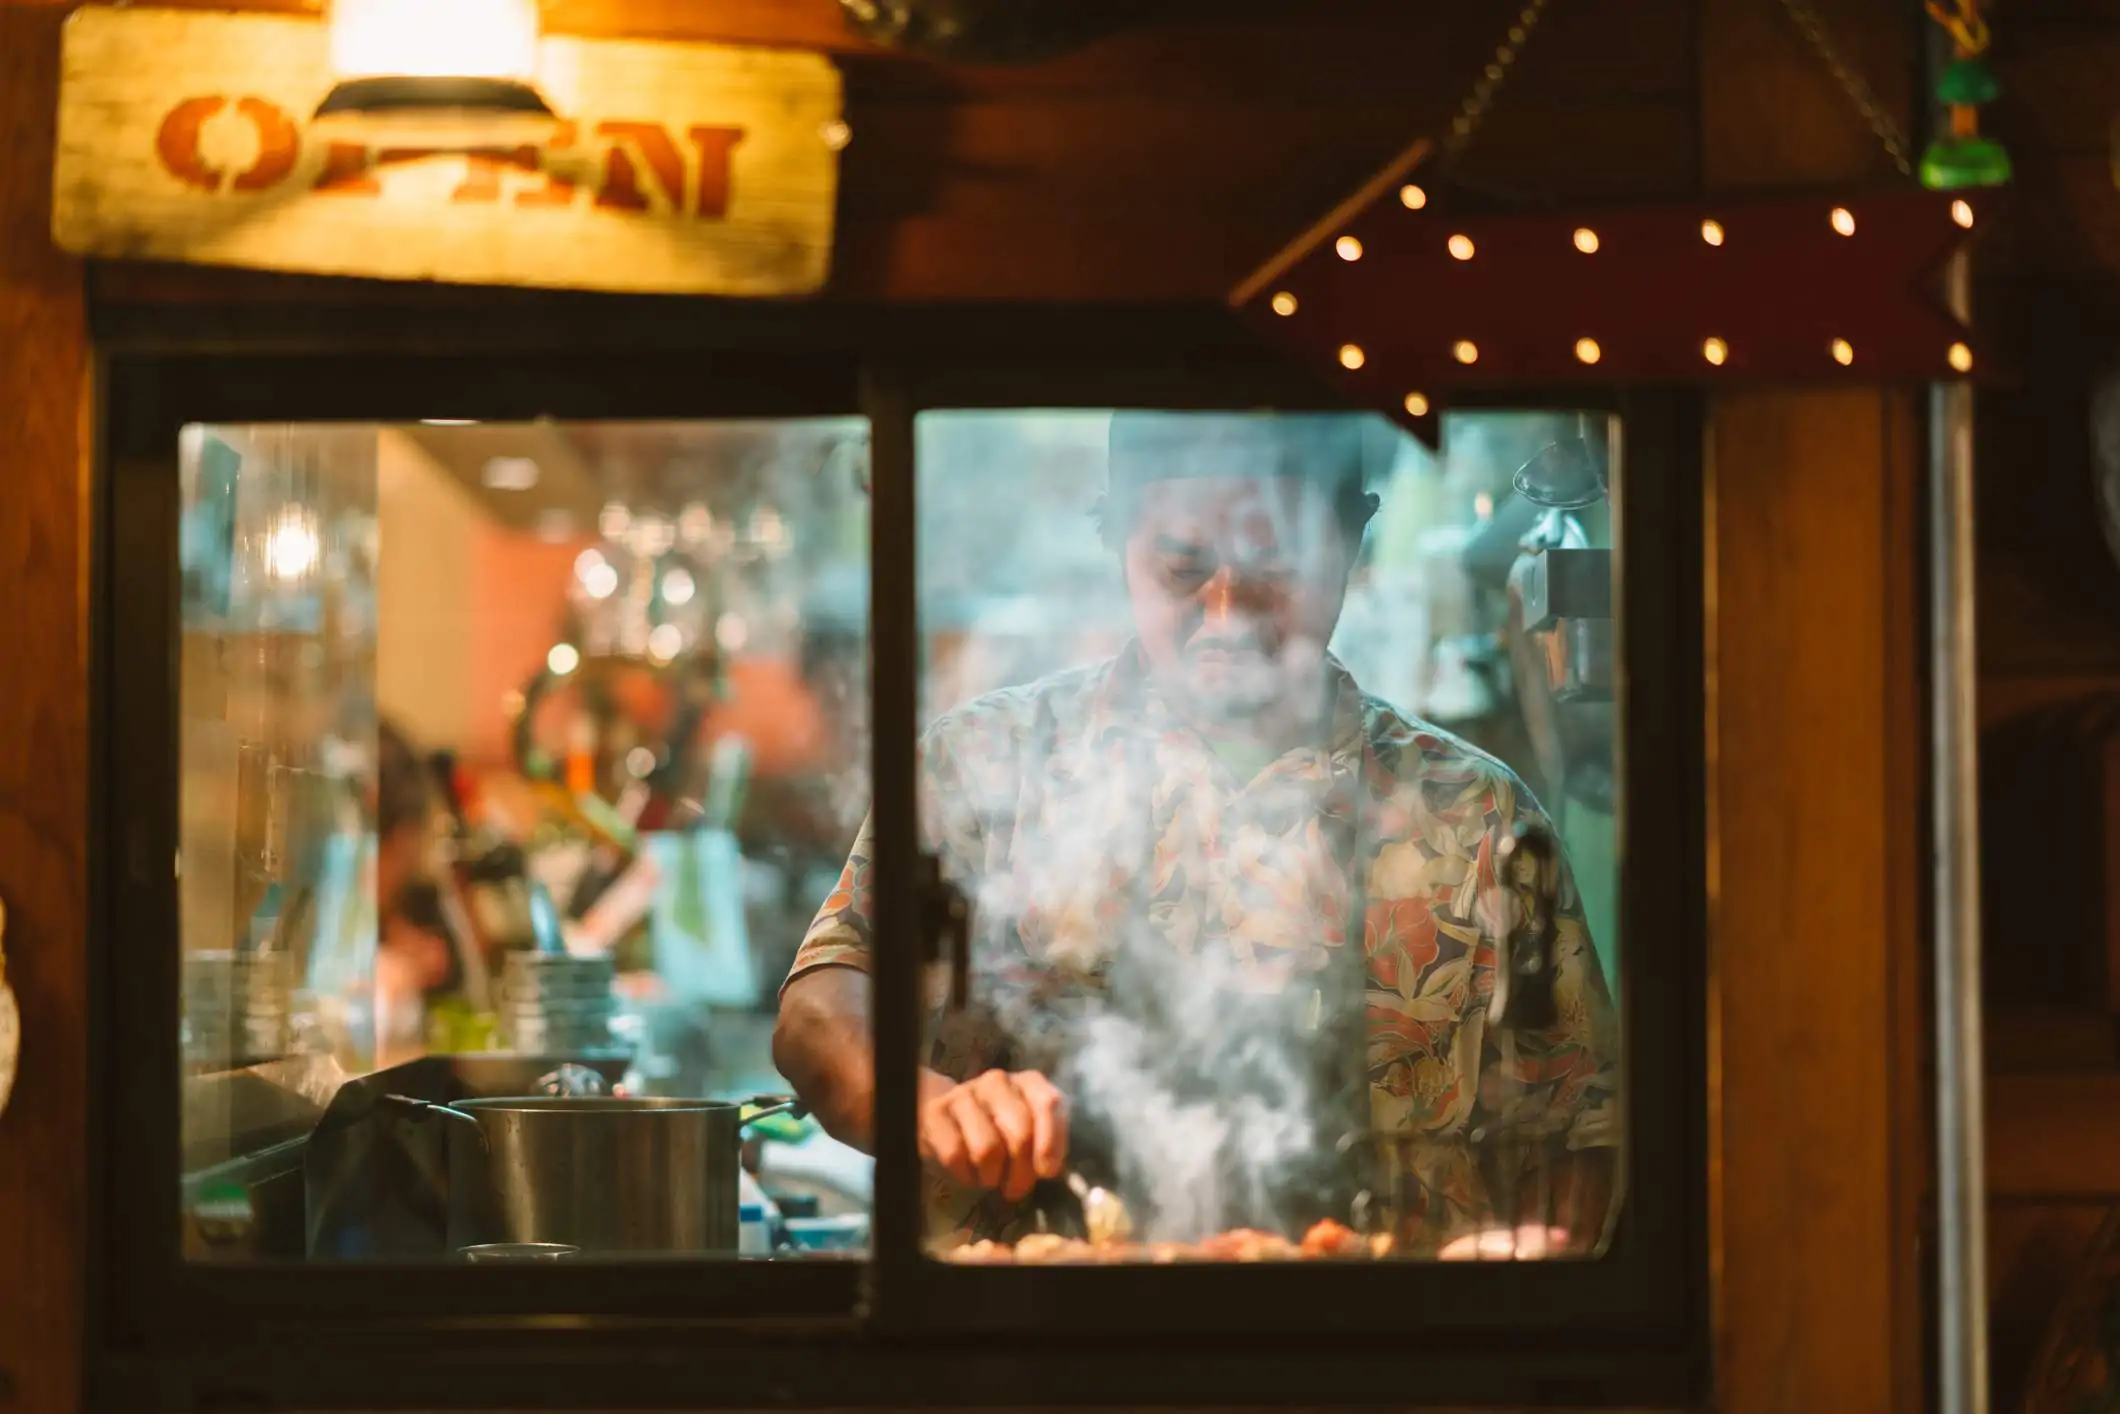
[[1272, 954], [515, 759]]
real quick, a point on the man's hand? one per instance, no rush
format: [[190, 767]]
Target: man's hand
[[1001, 1130]]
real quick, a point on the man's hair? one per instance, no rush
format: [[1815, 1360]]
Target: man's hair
[[1353, 507], [1328, 453]]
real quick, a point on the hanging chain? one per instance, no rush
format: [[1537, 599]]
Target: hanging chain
[[1477, 102], [1858, 92]]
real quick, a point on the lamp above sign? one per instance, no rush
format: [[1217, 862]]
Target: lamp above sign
[[672, 168]]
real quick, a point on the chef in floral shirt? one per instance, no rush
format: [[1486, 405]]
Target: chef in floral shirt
[[1170, 856]]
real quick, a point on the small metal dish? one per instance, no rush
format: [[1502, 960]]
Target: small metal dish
[[518, 1252]]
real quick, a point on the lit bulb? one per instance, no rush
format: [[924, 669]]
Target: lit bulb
[[1412, 197], [1961, 358], [677, 587], [731, 632], [563, 659], [1416, 405], [1962, 213], [509, 474], [1843, 220], [1284, 304], [1711, 232], [1843, 352], [1586, 240], [1461, 247], [417, 39], [599, 579], [1347, 248], [1351, 356], [664, 642], [291, 548], [836, 134], [1715, 351], [1587, 351], [613, 520], [1465, 351]]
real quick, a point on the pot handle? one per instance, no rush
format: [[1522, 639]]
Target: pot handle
[[436, 1107], [770, 1105]]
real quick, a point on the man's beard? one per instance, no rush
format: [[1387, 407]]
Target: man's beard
[[1237, 680]]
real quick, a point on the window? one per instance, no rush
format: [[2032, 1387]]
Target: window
[[477, 741], [514, 759], [1267, 750]]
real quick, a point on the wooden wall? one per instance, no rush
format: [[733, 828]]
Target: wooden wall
[[2048, 282], [1161, 166], [1167, 163], [43, 739]]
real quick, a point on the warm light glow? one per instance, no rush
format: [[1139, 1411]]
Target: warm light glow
[[1587, 351], [563, 659], [678, 588], [473, 422], [1715, 351], [486, 39], [596, 574], [1351, 356], [1843, 220], [1347, 248], [614, 520], [1962, 213], [1711, 232], [1461, 247], [1465, 351], [1412, 197], [665, 641], [731, 632], [1843, 352], [1284, 304], [836, 134], [1586, 240], [1483, 506], [1416, 405], [1961, 358], [509, 474], [291, 547]]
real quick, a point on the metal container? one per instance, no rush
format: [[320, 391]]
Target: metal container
[[607, 1175]]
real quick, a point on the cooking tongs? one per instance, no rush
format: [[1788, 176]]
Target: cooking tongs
[[1523, 998], [1072, 1206]]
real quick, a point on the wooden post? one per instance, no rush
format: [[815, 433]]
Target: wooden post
[[1816, 815], [43, 738]]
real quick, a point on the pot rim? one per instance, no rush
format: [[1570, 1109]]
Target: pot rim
[[597, 1104]]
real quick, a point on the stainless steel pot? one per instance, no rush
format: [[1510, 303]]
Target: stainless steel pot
[[601, 1173]]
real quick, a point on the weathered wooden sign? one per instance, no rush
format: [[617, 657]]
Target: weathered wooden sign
[[676, 168]]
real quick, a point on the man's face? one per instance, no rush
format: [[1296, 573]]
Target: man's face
[[1236, 584]]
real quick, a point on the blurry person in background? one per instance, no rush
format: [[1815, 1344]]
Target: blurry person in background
[[414, 957], [1186, 841]]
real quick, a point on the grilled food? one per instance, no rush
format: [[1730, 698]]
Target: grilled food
[[1324, 1241]]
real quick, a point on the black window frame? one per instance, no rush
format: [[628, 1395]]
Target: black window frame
[[1632, 1328]]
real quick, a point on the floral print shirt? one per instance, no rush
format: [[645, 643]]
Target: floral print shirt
[[1069, 806]]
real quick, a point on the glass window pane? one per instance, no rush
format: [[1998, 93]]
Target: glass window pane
[[515, 759], [1274, 757]]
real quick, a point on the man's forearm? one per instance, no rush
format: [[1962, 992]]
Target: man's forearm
[[823, 1045]]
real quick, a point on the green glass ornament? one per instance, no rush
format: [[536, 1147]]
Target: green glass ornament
[[1968, 83], [1953, 164]]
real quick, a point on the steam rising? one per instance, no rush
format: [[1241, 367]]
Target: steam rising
[[1210, 1118]]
